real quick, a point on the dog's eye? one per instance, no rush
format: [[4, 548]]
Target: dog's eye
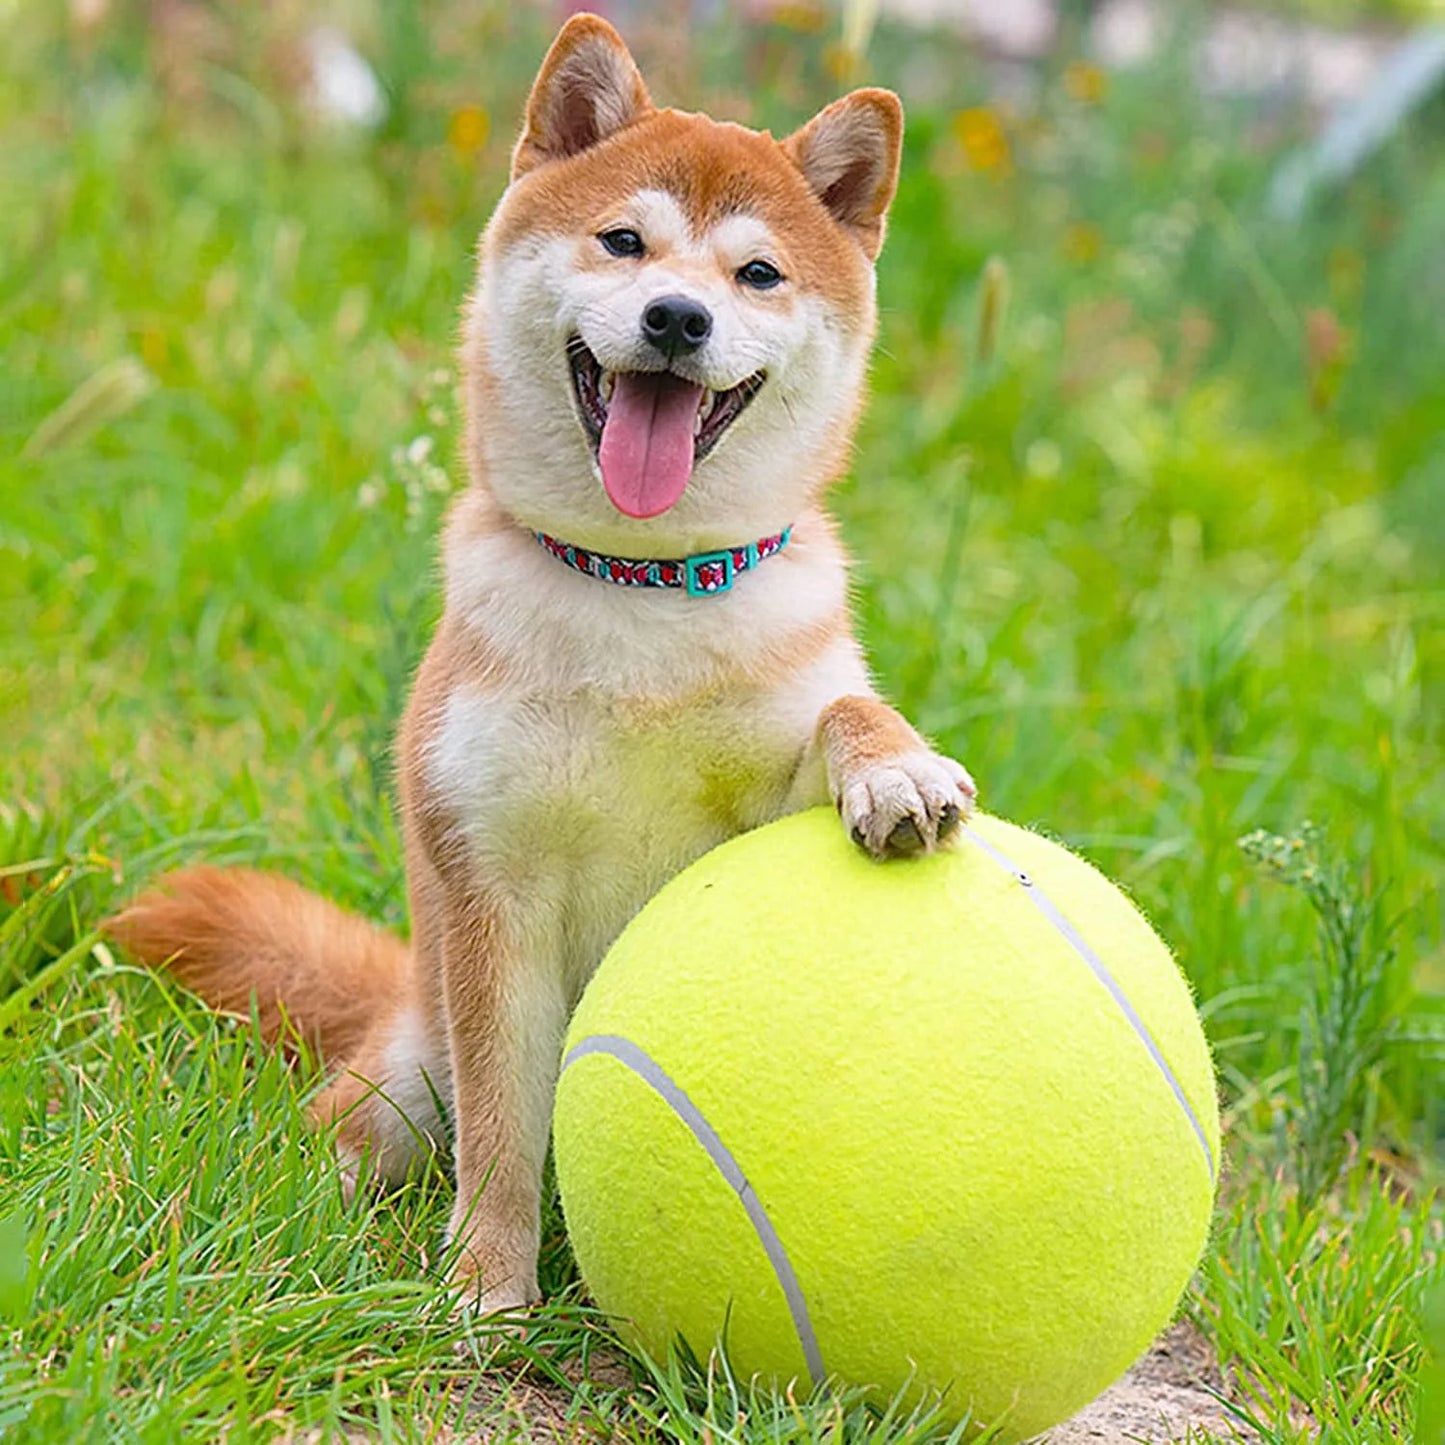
[[760, 275], [622, 242]]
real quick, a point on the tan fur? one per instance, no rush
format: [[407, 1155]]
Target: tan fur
[[232, 934], [243, 939], [856, 732], [570, 745]]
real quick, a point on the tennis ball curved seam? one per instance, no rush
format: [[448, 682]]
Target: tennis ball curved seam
[[632, 1056], [1096, 965]]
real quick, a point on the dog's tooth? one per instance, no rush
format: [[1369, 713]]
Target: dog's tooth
[[697, 424], [609, 381], [709, 401]]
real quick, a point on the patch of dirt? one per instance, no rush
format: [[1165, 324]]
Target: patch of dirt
[[1164, 1398], [520, 1404]]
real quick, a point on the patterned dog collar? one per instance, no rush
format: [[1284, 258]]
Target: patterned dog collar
[[705, 574]]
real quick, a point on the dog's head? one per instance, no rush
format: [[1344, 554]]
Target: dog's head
[[667, 342]]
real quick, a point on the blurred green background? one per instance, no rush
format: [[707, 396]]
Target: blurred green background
[[1149, 511]]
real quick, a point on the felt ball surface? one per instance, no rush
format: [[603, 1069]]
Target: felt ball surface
[[946, 1123]]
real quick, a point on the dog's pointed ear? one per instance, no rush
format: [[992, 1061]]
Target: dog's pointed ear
[[848, 153], [587, 89]]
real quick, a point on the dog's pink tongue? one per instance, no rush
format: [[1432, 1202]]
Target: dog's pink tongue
[[646, 452]]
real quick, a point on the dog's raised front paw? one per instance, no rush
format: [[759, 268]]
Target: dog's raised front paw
[[908, 804]]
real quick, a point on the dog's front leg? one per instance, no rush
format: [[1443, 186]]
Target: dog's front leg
[[506, 1014], [895, 795]]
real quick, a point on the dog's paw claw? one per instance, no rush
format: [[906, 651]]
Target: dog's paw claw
[[905, 805], [948, 821]]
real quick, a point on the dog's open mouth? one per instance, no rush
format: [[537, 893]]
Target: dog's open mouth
[[650, 428]]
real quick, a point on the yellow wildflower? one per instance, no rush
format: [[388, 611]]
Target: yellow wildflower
[[1085, 82], [1082, 243], [467, 130], [981, 135], [844, 66], [807, 19]]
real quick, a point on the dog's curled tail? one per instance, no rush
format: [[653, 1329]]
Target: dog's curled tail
[[230, 934]]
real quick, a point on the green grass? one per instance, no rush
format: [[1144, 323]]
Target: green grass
[[1159, 558]]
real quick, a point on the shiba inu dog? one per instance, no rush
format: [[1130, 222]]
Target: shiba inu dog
[[646, 646]]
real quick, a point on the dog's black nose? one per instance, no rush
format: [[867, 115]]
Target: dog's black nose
[[675, 323]]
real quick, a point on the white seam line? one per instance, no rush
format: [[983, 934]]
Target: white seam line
[[1097, 967], [651, 1073]]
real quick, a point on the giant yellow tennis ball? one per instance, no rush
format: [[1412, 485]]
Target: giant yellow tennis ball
[[947, 1123]]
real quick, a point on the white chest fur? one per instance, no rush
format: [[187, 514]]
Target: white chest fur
[[621, 733]]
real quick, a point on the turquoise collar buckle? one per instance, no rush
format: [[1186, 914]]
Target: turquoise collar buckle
[[704, 574], [708, 573]]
